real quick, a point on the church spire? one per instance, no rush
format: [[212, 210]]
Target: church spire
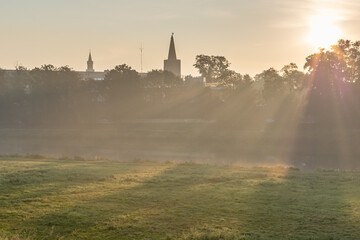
[[90, 58], [172, 64], [90, 64], [172, 52]]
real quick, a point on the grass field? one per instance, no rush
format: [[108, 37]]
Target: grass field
[[44, 198]]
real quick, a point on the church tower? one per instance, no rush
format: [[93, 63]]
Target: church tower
[[90, 64], [172, 64]]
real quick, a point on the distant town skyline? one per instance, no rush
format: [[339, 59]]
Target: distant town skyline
[[252, 35]]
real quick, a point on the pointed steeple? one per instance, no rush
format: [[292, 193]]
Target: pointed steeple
[[90, 58], [172, 52], [90, 64], [172, 64]]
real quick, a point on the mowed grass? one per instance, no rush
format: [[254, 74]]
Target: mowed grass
[[99, 199]]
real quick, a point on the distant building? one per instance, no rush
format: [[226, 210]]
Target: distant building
[[172, 64], [90, 64], [143, 75], [91, 75], [90, 72], [195, 81]]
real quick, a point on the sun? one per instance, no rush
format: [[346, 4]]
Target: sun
[[323, 30]]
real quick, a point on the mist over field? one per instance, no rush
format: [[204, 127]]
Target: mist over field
[[307, 119], [180, 120]]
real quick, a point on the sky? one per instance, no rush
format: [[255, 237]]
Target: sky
[[253, 35]]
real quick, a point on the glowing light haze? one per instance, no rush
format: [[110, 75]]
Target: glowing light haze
[[253, 35]]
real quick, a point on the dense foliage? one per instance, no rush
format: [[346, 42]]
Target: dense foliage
[[327, 92]]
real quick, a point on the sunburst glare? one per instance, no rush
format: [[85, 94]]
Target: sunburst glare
[[324, 30]]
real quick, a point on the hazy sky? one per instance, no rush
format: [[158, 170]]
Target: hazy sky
[[253, 34]]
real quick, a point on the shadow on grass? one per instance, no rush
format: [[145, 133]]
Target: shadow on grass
[[30, 189], [304, 206], [209, 202]]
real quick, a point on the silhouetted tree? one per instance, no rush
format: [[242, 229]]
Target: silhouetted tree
[[123, 91], [328, 74], [52, 94], [349, 52], [293, 78], [161, 79], [213, 68], [121, 82], [273, 84]]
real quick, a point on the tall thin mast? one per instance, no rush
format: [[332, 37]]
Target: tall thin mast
[[141, 56]]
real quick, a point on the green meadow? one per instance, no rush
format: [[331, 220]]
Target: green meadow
[[44, 198]]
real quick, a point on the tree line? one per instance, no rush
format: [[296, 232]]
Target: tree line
[[327, 91]]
